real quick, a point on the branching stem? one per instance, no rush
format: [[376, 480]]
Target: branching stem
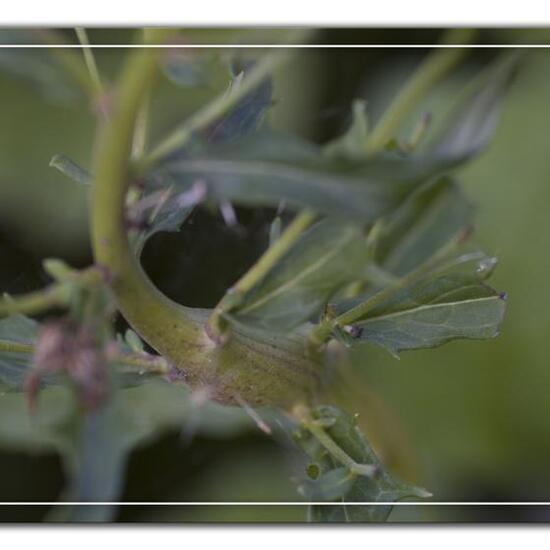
[[322, 331], [55, 295], [263, 266], [89, 59], [213, 110], [71, 61], [430, 72], [147, 363], [318, 431]]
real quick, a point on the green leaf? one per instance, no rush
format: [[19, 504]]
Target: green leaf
[[472, 124], [185, 69], [352, 144], [334, 485], [169, 215], [428, 219], [16, 332], [465, 132], [331, 486], [18, 336], [247, 116], [95, 446], [326, 258], [66, 166], [432, 313], [156, 406], [267, 167], [38, 66]]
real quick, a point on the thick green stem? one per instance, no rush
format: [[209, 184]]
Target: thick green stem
[[137, 297], [259, 367], [430, 72]]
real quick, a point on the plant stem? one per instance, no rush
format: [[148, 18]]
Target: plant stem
[[71, 61], [281, 246], [331, 446], [430, 72], [16, 347], [139, 143], [150, 312], [34, 302], [262, 267], [213, 110], [89, 59], [149, 363], [152, 364], [55, 295]]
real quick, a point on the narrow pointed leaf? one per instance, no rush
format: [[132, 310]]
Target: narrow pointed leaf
[[72, 170], [428, 219]]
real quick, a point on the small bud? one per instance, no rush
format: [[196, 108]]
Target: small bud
[[330, 312], [354, 331], [63, 346], [313, 470]]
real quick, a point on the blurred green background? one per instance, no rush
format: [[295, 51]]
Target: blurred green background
[[468, 421]]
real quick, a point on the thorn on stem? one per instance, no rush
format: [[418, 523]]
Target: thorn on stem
[[253, 414], [215, 332], [228, 214]]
